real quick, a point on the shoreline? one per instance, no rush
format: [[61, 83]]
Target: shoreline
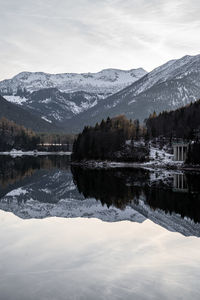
[[177, 166], [19, 153], [98, 164]]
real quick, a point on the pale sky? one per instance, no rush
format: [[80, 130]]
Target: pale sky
[[61, 36]]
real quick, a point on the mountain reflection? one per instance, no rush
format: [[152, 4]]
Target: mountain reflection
[[47, 185], [15, 169], [28, 171], [121, 187]]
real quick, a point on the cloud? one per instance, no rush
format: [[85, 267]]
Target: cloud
[[88, 35]]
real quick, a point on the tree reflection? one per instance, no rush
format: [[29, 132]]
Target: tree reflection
[[13, 170], [112, 187], [122, 187]]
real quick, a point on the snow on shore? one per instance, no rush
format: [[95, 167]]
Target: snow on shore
[[157, 159], [15, 153]]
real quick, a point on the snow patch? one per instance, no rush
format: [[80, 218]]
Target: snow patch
[[105, 81], [45, 119], [17, 192], [16, 99]]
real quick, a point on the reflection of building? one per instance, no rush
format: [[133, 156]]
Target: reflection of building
[[180, 183], [180, 150]]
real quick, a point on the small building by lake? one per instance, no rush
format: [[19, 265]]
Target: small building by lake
[[180, 150]]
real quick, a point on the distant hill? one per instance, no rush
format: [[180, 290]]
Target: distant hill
[[53, 105], [22, 117]]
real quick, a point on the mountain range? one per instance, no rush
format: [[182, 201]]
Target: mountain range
[[70, 101], [24, 117], [105, 82]]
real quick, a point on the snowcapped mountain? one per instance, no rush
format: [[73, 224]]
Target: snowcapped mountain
[[106, 82], [167, 87], [74, 100], [57, 98], [26, 118], [55, 106]]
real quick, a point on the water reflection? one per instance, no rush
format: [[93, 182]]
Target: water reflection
[[38, 187], [18, 171], [179, 193], [180, 183], [15, 169], [117, 187], [49, 259]]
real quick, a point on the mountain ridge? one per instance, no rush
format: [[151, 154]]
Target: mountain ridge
[[25, 118], [106, 81], [167, 87]]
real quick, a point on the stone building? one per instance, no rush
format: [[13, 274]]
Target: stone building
[[180, 149]]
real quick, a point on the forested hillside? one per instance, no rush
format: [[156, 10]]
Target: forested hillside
[[168, 87], [182, 123], [108, 140], [16, 136]]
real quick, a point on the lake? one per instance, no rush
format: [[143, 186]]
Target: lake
[[118, 233]]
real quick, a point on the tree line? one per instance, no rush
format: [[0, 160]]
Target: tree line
[[107, 140], [181, 123], [193, 156], [14, 136]]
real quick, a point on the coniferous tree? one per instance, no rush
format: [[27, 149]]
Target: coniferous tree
[[105, 140]]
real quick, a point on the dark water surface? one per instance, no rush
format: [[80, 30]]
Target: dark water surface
[[52, 183], [148, 246]]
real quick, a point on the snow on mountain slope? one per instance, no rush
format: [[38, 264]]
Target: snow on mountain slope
[[107, 81], [15, 99], [53, 105], [26, 118], [76, 100], [174, 69], [59, 97], [167, 87]]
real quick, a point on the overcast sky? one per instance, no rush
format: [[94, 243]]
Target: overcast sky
[[58, 36]]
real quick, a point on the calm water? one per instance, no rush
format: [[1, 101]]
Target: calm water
[[73, 233]]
